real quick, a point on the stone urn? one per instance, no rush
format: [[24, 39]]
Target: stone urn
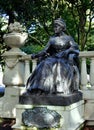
[[14, 68], [15, 39], [16, 36]]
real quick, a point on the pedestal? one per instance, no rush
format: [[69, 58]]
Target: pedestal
[[9, 101], [72, 114], [88, 96], [51, 99], [14, 68]]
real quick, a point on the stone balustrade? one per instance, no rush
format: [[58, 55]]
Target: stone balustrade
[[85, 82], [84, 55], [19, 66]]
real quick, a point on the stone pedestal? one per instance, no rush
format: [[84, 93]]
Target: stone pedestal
[[88, 96], [69, 107], [9, 100], [14, 68], [14, 71], [71, 116]]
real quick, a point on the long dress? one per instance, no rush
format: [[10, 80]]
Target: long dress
[[57, 72]]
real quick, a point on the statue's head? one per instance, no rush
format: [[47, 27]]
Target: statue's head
[[60, 22]]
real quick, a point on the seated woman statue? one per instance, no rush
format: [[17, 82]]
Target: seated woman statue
[[57, 71]]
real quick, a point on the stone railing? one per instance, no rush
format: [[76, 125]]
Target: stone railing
[[85, 82], [17, 63]]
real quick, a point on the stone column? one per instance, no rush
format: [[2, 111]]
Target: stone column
[[34, 64], [92, 73], [83, 73], [1, 75], [27, 70], [14, 68], [14, 71]]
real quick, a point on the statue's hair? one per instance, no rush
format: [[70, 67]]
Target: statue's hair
[[61, 22]]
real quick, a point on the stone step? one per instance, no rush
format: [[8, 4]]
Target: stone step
[[90, 121]]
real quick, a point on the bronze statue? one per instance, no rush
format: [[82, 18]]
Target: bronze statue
[[57, 71]]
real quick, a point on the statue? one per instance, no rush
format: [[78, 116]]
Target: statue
[[57, 71]]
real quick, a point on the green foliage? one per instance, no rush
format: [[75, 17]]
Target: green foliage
[[38, 17], [3, 30], [30, 49], [90, 42], [82, 10]]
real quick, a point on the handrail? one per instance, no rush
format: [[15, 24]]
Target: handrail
[[83, 55], [87, 54]]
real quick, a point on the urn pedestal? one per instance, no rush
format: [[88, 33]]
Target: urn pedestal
[[14, 68], [14, 71], [65, 112]]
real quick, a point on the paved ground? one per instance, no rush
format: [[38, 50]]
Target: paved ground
[[89, 128], [6, 124]]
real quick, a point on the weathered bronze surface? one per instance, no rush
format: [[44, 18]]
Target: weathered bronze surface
[[41, 117], [57, 71], [52, 99]]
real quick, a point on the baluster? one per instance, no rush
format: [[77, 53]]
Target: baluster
[[1, 75], [34, 64], [27, 70], [83, 73], [92, 73]]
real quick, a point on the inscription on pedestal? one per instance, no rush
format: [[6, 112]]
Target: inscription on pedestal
[[41, 117]]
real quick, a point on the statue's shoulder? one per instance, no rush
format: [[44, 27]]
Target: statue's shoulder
[[51, 39], [68, 37]]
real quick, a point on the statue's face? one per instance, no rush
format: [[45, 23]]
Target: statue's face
[[57, 28]]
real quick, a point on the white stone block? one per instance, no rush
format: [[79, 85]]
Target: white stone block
[[1, 76], [89, 109], [9, 101], [71, 116], [14, 76], [88, 94]]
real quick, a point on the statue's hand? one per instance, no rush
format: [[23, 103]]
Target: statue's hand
[[33, 56], [65, 53]]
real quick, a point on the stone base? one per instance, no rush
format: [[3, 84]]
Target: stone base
[[9, 101], [90, 121], [72, 116], [88, 96]]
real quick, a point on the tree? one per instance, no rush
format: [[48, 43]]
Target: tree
[[38, 17], [83, 14], [3, 30]]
